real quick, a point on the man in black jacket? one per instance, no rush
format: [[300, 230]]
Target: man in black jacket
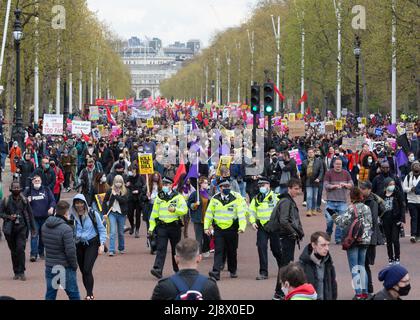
[[372, 201], [286, 221], [26, 169], [17, 215], [187, 257], [105, 157], [60, 258], [318, 266]]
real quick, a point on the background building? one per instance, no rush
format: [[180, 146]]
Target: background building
[[150, 63]]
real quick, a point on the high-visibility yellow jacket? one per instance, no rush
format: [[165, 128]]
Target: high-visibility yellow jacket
[[160, 209], [224, 212], [262, 210]]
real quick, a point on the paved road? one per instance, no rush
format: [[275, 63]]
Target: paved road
[[128, 276]]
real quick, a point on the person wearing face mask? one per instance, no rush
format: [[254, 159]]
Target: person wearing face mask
[[137, 197], [198, 207], [318, 266], [67, 162], [42, 203], [149, 146], [378, 183], [59, 180], [18, 222], [15, 154], [46, 173], [364, 169], [260, 211], [393, 219], [396, 281], [226, 216], [294, 285], [115, 206], [86, 179], [123, 162], [411, 182], [105, 157], [167, 214], [89, 151], [27, 168], [118, 171]]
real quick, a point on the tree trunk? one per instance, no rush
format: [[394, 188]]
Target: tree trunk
[[10, 91]]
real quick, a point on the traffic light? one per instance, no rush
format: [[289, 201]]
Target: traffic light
[[268, 99], [255, 99]]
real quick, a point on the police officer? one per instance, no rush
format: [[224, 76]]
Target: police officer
[[226, 214], [166, 217], [260, 211]]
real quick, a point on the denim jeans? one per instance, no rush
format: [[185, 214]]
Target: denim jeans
[[242, 188], [319, 199], [311, 197], [3, 160], [340, 207], [70, 285], [37, 246], [356, 256], [117, 224]]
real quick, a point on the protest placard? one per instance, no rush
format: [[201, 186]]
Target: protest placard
[[146, 164], [292, 117], [81, 126], [53, 124], [224, 162], [93, 113], [294, 154], [329, 127], [296, 128], [338, 125], [150, 123]]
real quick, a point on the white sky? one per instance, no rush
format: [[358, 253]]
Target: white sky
[[172, 20]]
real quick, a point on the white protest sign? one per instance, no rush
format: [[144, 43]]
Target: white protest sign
[[53, 124], [81, 126]]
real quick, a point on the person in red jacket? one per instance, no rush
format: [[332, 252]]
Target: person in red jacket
[[59, 179]]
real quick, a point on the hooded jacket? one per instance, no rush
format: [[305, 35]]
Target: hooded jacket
[[303, 292], [59, 243], [310, 268], [85, 231]]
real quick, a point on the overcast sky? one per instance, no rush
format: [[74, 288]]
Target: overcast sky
[[172, 20]]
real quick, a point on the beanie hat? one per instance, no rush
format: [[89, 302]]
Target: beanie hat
[[392, 275]]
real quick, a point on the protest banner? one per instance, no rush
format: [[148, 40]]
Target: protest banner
[[150, 123], [296, 128], [299, 116], [294, 154], [344, 112], [353, 144], [146, 163], [143, 114], [378, 131], [96, 134], [53, 124], [93, 113], [224, 162], [80, 127]]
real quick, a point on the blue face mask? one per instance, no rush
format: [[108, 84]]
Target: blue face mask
[[226, 192], [47, 166], [166, 190], [263, 190]]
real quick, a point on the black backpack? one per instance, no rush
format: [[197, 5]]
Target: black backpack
[[187, 293]]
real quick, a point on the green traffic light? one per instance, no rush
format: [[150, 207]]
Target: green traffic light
[[269, 109]]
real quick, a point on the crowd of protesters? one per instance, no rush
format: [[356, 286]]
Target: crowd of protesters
[[374, 184]]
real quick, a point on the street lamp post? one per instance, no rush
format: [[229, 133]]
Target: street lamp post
[[357, 52], [212, 91], [17, 132], [283, 69]]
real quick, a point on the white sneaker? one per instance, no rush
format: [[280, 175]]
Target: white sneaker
[[206, 254], [323, 201], [304, 203]]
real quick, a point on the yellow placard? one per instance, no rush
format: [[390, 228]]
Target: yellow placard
[[150, 123], [364, 121], [299, 116], [343, 120], [115, 109], [146, 164], [224, 162], [339, 125], [100, 200], [292, 116]]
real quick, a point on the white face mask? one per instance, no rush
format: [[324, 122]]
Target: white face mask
[[37, 186], [411, 158], [103, 179], [130, 173]]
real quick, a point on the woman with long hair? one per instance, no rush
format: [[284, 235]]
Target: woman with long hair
[[356, 254], [115, 206]]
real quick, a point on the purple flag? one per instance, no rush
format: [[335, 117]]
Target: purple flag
[[392, 128], [193, 172], [194, 125], [401, 158]]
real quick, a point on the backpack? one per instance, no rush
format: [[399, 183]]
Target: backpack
[[186, 293], [354, 232], [417, 190], [92, 216]]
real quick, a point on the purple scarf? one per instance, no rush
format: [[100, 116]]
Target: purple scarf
[[204, 194]]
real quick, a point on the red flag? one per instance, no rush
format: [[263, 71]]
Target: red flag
[[279, 93], [200, 116], [85, 137], [308, 111], [109, 116], [179, 172], [206, 122], [303, 99]]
